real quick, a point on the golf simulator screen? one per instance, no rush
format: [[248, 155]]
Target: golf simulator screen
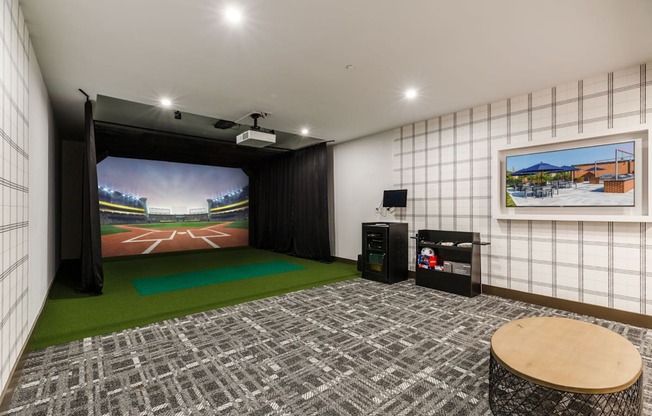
[[149, 206], [591, 176]]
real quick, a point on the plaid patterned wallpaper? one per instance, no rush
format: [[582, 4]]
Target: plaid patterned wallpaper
[[445, 163], [14, 70]]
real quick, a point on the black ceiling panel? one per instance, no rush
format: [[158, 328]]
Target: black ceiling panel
[[126, 141]]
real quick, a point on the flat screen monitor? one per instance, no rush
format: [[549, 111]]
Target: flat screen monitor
[[395, 198]]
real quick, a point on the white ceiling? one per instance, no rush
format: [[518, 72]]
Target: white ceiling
[[288, 57]]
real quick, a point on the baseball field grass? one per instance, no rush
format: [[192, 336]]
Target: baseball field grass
[[239, 224], [107, 229], [69, 316]]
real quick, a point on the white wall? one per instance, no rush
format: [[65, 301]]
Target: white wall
[[362, 169], [445, 163], [14, 188], [42, 230], [27, 192]]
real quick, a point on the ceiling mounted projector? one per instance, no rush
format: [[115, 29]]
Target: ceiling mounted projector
[[256, 137]]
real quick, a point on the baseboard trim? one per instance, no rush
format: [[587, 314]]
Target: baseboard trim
[[631, 318], [345, 261]]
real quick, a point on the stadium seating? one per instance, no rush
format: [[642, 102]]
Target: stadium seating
[[233, 206], [117, 207]]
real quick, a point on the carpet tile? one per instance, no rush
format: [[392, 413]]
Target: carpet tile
[[352, 348]]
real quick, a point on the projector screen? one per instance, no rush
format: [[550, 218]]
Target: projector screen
[[151, 206]]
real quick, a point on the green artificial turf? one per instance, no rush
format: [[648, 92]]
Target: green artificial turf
[[161, 284], [69, 316]]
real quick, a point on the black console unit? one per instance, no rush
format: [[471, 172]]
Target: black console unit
[[385, 251], [455, 265]]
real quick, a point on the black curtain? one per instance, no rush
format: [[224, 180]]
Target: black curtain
[[289, 204], [92, 273]]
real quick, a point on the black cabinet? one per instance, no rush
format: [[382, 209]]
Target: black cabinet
[[385, 251], [450, 261]]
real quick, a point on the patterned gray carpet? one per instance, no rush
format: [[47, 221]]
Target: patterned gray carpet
[[352, 348]]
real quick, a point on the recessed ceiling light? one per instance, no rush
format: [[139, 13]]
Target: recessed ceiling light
[[305, 131], [233, 15], [410, 93], [166, 102]]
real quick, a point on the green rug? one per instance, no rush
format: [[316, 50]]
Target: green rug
[[69, 316], [161, 284]]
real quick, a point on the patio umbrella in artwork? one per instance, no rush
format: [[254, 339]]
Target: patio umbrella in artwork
[[538, 168], [566, 168], [594, 169], [520, 172]]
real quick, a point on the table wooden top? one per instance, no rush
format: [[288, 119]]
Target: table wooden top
[[567, 354]]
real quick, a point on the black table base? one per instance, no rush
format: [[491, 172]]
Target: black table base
[[511, 395]]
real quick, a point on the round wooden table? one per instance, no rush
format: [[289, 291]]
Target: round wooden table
[[560, 366]]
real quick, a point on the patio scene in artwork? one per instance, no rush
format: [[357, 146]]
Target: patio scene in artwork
[[582, 194], [586, 180]]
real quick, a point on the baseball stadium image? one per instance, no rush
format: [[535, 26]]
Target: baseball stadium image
[[155, 207]]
